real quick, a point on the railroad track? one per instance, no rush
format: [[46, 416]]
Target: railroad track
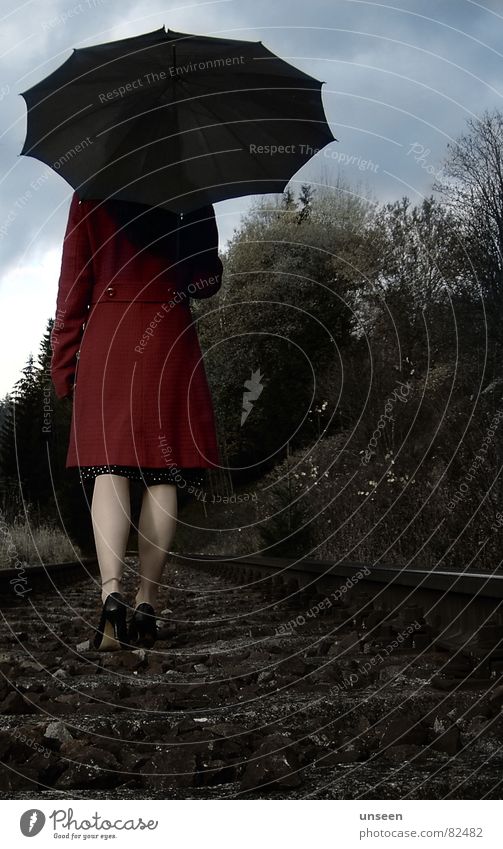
[[462, 611], [271, 678]]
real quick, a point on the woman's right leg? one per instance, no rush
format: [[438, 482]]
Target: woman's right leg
[[156, 531], [111, 517]]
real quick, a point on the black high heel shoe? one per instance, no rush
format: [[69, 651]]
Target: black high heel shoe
[[142, 627], [112, 630]]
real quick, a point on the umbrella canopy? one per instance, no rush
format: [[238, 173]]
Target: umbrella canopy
[[175, 120]]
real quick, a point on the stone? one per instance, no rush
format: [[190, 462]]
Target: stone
[[127, 660], [345, 645], [26, 740], [61, 674], [141, 654], [57, 732], [24, 779], [69, 699], [496, 698], [5, 744], [16, 704], [165, 630], [174, 768], [123, 691], [403, 730], [91, 768], [421, 640], [391, 673], [217, 772], [273, 766], [442, 682], [323, 646], [60, 709], [477, 724], [374, 618], [29, 666], [348, 753], [409, 753], [449, 741], [292, 666]]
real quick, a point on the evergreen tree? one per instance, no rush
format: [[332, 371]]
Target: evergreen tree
[[34, 433], [305, 199], [20, 455]]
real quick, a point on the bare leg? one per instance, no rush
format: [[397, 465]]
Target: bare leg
[[111, 517], [156, 531]]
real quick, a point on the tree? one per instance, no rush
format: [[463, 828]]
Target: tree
[[286, 309], [33, 446], [305, 200], [472, 186]]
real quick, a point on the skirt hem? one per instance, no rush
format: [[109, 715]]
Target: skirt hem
[[181, 477]]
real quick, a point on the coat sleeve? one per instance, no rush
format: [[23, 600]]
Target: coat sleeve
[[199, 243], [74, 295]]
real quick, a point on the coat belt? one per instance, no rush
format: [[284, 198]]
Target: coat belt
[[155, 290]]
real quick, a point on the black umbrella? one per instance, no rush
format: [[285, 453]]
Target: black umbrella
[[176, 120]]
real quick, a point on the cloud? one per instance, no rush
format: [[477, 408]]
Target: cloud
[[27, 289], [395, 77]]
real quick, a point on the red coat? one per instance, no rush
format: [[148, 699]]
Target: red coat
[[124, 335]]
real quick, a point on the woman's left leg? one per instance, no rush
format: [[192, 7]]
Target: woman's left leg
[[111, 517]]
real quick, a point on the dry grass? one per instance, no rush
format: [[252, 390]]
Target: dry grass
[[24, 543]]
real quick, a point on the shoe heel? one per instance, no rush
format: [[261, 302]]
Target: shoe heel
[[111, 634], [143, 627], [109, 640]]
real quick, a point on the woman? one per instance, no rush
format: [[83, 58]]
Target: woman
[[125, 349]]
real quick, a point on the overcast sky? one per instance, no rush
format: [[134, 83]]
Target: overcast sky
[[401, 80]]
